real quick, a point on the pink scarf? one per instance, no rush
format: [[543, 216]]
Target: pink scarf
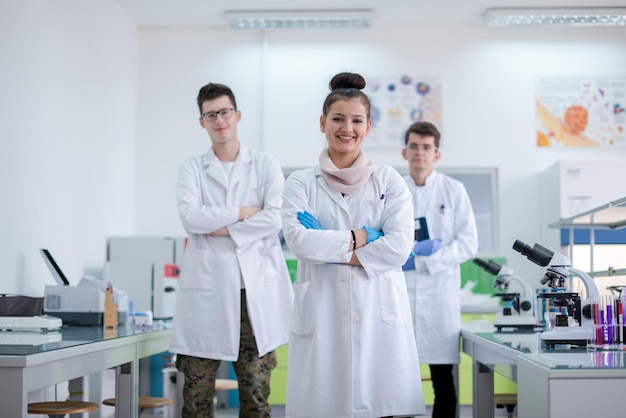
[[346, 180]]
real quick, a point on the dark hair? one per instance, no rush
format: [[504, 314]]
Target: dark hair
[[346, 86], [212, 91], [423, 129]]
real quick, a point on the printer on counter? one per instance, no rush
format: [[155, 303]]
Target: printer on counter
[[82, 304]]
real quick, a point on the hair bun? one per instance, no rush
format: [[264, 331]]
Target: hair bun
[[347, 81]]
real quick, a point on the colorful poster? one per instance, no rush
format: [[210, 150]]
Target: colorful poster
[[396, 104], [580, 112]]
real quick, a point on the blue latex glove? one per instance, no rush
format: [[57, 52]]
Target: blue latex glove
[[372, 234], [308, 221], [427, 247], [410, 263]]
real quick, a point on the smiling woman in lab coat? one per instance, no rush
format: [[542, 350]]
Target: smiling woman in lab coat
[[352, 351]]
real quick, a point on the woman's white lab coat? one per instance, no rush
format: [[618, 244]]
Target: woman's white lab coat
[[434, 286], [351, 350], [206, 319]]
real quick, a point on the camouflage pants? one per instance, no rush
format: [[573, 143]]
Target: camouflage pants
[[253, 374]]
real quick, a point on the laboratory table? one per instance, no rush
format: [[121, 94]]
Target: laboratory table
[[31, 361], [556, 382]]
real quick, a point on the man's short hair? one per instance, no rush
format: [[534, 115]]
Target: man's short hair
[[423, 128], [212, 91]]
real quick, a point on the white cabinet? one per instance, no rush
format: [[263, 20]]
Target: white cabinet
[[569, 188], [610, 216], [147, 268]]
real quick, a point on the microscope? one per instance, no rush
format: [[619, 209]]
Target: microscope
[[576, 314], [518, 311]]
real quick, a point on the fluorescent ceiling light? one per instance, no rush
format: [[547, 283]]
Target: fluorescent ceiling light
[[598, 16], [281, 19]]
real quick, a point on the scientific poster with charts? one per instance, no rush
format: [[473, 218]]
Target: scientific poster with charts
[[396, 104], [580, 112]]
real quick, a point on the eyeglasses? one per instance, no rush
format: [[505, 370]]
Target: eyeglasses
[[225, 113], [425, 148]]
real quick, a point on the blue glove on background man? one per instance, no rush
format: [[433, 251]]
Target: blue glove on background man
[[372, 234], [410, 263], [308, 221], [427, 247]]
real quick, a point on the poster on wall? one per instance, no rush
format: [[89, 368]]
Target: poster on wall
[[397, 103], [580, 112]]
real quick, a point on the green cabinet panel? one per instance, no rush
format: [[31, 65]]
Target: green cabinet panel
[[278, 382], [292, 266], [484, 281], [500, 383], [469, 271]]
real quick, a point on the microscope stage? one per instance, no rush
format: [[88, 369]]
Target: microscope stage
[[514, 321], [566, 335]]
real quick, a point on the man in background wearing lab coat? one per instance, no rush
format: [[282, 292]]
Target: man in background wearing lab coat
[[235, 295], [443, 209]]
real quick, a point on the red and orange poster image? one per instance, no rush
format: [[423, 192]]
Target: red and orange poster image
[[580, 112]]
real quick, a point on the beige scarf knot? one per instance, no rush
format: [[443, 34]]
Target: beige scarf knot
[[346, 180]]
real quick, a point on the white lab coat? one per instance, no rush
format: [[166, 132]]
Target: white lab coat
[[207, 316], [351, 350], [434, 286]]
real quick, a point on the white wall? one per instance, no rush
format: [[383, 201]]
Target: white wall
[[67, 124], [173, 65], [96, 115], [280, 79]]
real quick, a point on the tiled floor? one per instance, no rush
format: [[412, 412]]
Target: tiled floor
[[278, 411], [465, 412]]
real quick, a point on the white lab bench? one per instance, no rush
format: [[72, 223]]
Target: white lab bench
[[552, 383], [78, 352]]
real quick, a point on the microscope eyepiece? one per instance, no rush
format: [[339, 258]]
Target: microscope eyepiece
[[538, 254], [490, 267], [522, 247]]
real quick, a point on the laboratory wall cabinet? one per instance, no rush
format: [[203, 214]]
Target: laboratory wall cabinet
[[147, 269], [569, 188], [606, 262], [481, 184]]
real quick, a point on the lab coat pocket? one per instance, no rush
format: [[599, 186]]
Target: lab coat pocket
[[270, 261], [371, 212], [197, 270], [255, 196], [444, 227], [303, 312], [394, 301]]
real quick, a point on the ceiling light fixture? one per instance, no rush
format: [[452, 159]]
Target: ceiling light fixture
[[287, 19], [598, 16]]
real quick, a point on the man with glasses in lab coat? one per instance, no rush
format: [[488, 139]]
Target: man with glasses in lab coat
[[445, 237], [235, 295]]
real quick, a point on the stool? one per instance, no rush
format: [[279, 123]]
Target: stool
[[172, 375], [226, 384], [223, 384], [60, 409], [144, 402], [506, 400]]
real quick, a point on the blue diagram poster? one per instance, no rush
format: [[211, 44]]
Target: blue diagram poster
[[397, 103]]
